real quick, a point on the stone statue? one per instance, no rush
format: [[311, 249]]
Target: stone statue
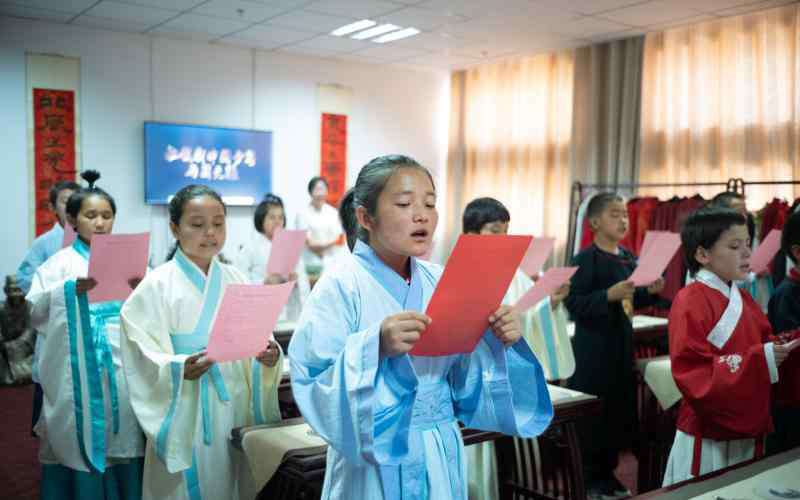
[[17, 338]]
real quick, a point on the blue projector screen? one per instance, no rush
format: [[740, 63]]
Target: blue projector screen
[[236, 163]]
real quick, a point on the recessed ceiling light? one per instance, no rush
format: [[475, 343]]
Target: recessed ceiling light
[[353, 27], [397, 35], [377, 30]]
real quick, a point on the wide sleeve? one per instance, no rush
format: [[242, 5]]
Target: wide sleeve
[[165, 404], [35, 257], [585, 303], [360, 403], [545, 329], [501, 389], [730, 392], [263, 382]]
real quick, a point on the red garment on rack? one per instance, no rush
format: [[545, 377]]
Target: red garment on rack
[[773, 216], [641, 223], [587, 236]]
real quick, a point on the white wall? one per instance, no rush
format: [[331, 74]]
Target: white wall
[[127, 79]]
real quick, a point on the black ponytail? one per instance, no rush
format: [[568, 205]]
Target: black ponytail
[[76, 199], [347, 214]]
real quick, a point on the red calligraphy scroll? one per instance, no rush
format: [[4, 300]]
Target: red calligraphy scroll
[[54, 148], [333, 155]]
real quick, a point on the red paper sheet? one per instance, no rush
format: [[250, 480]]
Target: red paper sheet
[[287, 245], [245, 320], [537, 255], [656, 259], [477, 276], [113, 261], [546, 285], [766, 251]]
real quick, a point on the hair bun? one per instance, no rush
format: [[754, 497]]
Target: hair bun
[[90, 176]]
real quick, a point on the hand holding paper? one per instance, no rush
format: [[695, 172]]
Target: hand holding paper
[[461, 306], [245, 320], [766, 251], [656, 258], [114, 260], [537, 254], [287, 245], [546, 285]]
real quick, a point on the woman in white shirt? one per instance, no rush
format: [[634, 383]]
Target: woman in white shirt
[[253, 256], [323, 225]]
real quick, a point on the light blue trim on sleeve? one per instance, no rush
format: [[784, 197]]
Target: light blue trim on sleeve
[[163, 431], [97, 405], [258, 415], [77, 390]]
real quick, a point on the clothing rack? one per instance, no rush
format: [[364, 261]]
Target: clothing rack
[[736, 185]]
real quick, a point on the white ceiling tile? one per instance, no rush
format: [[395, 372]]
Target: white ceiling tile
[[354, 8], [434, 41], [272, 36], [74, 6], [646, 14], [334, 43], [130, 13], [284, 4], [180, 5], [388, 52], [682, 22], [183, 35], [238, 10], [304, 51], [588, 6], [512, 42], [443, 61], [110, 24], [754, 7], [244, 42], [356, 58], [313, 22], [202, 25], [422, 19], [15, 10], [708, 6], [589, 26]]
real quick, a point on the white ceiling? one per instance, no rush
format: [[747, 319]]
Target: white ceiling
[[455, 33]]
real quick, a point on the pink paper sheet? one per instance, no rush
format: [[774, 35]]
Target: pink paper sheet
[[69, 236], [245, 320], [656, 259], [287, 245], [546, 285], [113, 261], [537, 255], [766, 251]]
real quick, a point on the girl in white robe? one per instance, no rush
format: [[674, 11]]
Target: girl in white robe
[[544, 327], [253, 256], [90, 444], [187, 405], [390, 418]]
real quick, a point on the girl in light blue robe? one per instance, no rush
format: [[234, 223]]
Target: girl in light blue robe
[[390, 418]]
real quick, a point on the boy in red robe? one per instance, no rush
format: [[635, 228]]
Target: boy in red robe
[[724, 357]]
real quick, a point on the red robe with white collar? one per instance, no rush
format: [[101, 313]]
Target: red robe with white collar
[[721, 365]]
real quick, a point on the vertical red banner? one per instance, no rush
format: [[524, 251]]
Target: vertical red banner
[[54, 148], [333, 155]]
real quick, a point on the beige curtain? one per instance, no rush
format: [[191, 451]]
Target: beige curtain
[[720, 100], [509, 138], [606, 109]]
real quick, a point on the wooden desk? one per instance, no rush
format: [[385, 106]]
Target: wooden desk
[[302, 472], [710, 482]]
